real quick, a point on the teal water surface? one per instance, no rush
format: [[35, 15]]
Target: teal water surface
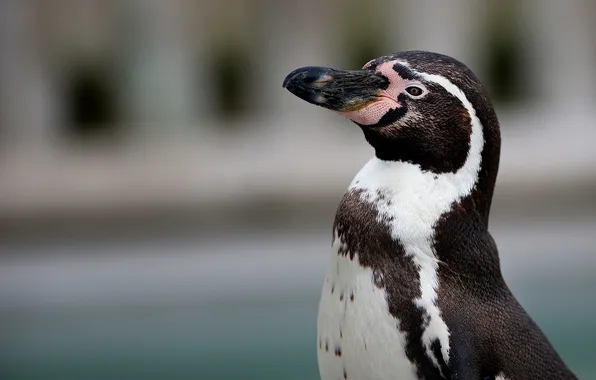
[[262, 339]]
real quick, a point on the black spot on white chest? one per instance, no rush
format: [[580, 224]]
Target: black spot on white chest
[[358, 337], [375, 302]]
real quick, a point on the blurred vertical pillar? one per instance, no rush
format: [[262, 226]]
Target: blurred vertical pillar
[[294, 34], [563, 51], [450, 28], [159, 73], [27, 88], [230, 54]]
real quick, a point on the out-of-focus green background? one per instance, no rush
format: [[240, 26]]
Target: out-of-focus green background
[[166, 207]]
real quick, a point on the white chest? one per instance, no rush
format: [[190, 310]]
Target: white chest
[[357, 336]]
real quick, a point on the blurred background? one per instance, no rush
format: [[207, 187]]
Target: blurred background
[[166, 207]]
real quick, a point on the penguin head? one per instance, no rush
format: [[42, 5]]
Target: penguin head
[[414, 106]]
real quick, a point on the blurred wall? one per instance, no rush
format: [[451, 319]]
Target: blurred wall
[[112, 102]]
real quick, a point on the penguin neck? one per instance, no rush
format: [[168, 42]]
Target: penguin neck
[[411, 201]]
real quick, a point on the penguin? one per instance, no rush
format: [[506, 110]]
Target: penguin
[[414, 288]]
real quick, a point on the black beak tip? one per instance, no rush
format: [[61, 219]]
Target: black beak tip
[[292, 79], [305, 76], [287, 80]]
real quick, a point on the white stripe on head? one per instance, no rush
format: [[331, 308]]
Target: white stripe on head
[[468, 174], [413, 201]]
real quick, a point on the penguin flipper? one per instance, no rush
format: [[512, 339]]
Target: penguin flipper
[[463, 357]]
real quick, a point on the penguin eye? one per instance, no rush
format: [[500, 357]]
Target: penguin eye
[[414, 91]]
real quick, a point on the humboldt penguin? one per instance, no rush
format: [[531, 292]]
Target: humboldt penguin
[[414, 288]]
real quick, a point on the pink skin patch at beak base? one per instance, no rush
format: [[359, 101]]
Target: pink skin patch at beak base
[[372, 112]]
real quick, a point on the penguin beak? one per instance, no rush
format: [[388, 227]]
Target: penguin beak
[[334, 89]]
